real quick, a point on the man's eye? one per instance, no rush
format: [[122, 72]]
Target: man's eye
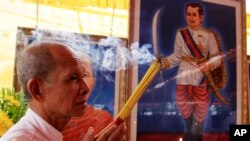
[[74, 77]]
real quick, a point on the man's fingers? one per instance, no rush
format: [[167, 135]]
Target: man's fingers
[[123, 138], [118, 134], [113, 133], [89, 136], [104, 135], [104, 130]]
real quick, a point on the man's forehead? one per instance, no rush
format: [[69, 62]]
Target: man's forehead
[[83, 58], [85, 64], [83, 61], [190, 8]]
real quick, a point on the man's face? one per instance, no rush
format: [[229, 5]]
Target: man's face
[[193, 18], [66, 89]]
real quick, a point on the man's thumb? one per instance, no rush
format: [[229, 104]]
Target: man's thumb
[[89, 136]]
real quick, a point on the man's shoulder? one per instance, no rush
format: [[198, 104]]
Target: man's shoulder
[[201, 30], [18, 132], [15, 137], [182, 29], [207, 31]]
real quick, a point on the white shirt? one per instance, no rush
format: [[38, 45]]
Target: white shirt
[[32, 127], [189, 72]]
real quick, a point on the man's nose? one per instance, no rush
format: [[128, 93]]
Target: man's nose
[[84, 86]]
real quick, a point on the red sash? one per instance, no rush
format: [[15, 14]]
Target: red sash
[[195, 51]]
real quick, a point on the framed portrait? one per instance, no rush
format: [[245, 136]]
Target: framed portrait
[[159, 116], [108, 88]]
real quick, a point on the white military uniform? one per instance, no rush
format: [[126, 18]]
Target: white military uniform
[[189, 73]]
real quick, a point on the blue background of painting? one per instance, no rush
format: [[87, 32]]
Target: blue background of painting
[[156, 109]]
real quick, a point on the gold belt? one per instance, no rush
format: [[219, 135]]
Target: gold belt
[[193, 59]]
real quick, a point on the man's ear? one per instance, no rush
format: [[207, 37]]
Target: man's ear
[[34, 88], [202, 18]]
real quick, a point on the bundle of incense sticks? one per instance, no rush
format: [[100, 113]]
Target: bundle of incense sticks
[[139, 90], [136, 95]]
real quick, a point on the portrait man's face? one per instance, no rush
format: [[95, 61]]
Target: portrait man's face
[[193, 18]]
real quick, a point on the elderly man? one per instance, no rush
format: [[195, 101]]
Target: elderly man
[[53, 79]]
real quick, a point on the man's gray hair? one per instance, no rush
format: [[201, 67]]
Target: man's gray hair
[[35, 61]]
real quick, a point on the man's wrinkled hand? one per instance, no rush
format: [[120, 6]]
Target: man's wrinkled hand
[[112, 132]]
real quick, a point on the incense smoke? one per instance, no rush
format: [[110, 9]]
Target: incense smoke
[[107, 54]]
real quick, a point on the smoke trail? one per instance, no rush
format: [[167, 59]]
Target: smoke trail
[[107, 54]]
